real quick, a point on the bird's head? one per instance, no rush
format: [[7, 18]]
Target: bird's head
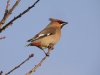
[[60, 22]]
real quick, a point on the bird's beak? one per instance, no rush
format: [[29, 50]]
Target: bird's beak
[[64, 23]]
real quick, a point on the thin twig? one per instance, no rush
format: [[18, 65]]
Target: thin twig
[[7, 4], [39, 64], [8, 12], [30, 56], [18, 16]]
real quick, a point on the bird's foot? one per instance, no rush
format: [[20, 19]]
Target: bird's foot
[[47, 54], [51, 46]]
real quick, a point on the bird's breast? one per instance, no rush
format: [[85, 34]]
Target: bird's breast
[[50, 39]]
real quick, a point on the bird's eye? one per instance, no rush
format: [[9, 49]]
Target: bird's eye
[[60, 22]]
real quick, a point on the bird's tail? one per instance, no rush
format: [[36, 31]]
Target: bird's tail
[[30, 44], [29, 40]]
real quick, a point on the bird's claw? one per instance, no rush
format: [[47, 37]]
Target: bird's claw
[[47, 54], [51, 46]]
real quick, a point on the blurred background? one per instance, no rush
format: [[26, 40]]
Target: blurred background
[[78, 51]]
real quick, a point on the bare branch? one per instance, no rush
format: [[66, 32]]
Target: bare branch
[[8, 12], [30, 56], [39, 64], [15, 18], [8, 3]]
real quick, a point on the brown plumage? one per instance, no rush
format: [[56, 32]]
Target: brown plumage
[[49, 36]]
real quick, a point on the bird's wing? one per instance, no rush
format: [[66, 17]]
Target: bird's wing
[[44, 33]]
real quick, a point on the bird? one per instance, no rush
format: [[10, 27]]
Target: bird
[[49, 36]]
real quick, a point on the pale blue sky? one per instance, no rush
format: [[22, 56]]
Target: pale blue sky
[[78, 51]]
